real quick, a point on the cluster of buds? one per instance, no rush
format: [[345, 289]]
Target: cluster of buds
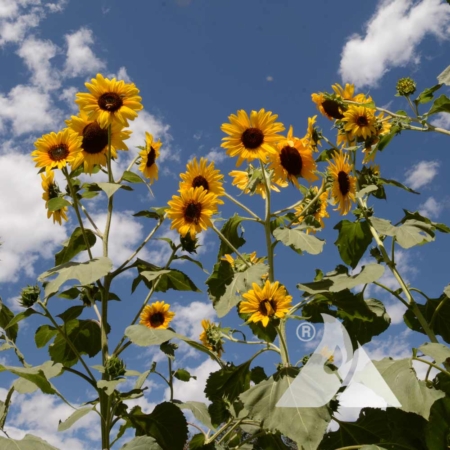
[[115, 367], [29, 296], [406, 87]]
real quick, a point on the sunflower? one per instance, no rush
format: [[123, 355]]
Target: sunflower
[[251, 137], [312, 136], [149, 155], [294, 159], [94, 144], [210, 337], [191, 211], [343, 189], [156, 315], [55, 150], [203, 174], [360, 122], [383, 127], [110, 101], [318, 210], [270, 301], [346, 93], [51, 190], [241, 180], [327, 107]]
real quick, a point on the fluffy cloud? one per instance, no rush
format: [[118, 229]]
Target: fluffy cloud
[[217, 155], [421, 174], [431, 208], [391, 38], [187, 320]]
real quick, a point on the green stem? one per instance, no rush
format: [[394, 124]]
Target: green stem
[[96, 229], [238, 341], [432, 365], [436, 311], [170, 379], [245, 208], [218, 432], [281, 329], [229, 431], [397, 296]]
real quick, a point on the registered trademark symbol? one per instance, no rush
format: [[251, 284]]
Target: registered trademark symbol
[[306, 332]]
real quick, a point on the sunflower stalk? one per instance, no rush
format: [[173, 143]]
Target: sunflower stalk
[[224, 239], [245, 208]]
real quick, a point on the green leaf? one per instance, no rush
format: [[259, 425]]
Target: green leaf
[[437, 430], [57, 203], [142, 443], [306, 426], [29, 442], [71, 313], [144, 336], [168, 279], [6, 317], [413, 232], [325, 155], [417, 216], [132, 177], [148, 214], [21, 316], [183, 375], [200, 412], [257, 375], [271, 442], [387, 138], [109, 386], [86, 273], [49, 369], [353, 240], [441, 104], [230, 231], [439, 352], [299, 240], [34, 374], [109, 188], [398, 184], [74, 245], [444, 76], [427, 94], [366, 190], [74, 417], [44, 334], [70, 294]]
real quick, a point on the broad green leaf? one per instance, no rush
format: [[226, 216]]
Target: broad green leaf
[[271, 442], [150, 276], [44, 334], [353, 240], [387, 138], [197, 442], [230, 231], [74, 417], [132, 177], [109, 188], [19, 317], [306, 426], [71, 313], [439, 352], [34, 374], [6, 317], [57, 203], [427, 94], [200, 412], [144, 336], [447, 290], [383, 226], [70, 294], [169, 279], [109, 386], [325, 155], [413, 232], [417, 216], [148, 214], [257, 374], [414, 395], [86, 273], [366, 190], [142, 443], [441, 104], [74, 245], [29, 442], [437, 430], [444, 76], [299, 240], [50, 370]]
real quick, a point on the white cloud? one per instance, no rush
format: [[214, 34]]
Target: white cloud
[[421, 174], [216, 155], [80, 59], [391, 38], [431, 208], [26, 233], [68, 95], [187, 320], [442, 120], [122, 74]]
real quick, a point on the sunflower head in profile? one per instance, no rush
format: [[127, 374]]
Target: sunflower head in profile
[[265, 303], [210, 337], [191, 211], [312, 135], [383, 127], [149, 155], [56, 150], [360, 122], [343, 190], [318, 210], [328, 107], [253, 137], [51, 190], [250, 183], [200, 173], [294, 159], [94, 146], [156, 315], [110, 101]]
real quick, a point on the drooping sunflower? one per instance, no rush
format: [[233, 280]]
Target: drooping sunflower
[[312, 136], [156, 315], [383, 127], [293, 160], [51, 190], [343, 189], [203, 174], [191, 211], [318, 210], [327, 107], [269, 302], [241, 180], [110, 101], [360, 122], [253, 137], [94, 146], [149, 155], [210, 337], [55, 150]]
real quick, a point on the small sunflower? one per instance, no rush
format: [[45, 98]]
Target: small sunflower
[[312, 136], [343, 189], [203, 174], [156, 315], [241, 180], [346, 93], [294, 159], [360, 122], [55, 150], [253, 137], [149, 155], [270, 301], [191, 211], [318, 210], [51, 190], [210, 337], [110, 101], [383, 127], [94, 144], [327, 107]]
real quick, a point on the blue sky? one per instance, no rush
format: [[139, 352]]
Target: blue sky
[[195, 63]]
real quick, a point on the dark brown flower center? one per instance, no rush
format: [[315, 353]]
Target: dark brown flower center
[[156, 319], [110, 101], [362, 121], [58, 152], [252, 138], [192, 212], [53, 191], [200, 181], [344, 182], [151, 157], [332, 109], [291, 160], [267, 307], [95, 139]]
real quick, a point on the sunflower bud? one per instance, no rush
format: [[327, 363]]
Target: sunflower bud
[[115, 367], [406, 87], [29, 296], [188, 244]]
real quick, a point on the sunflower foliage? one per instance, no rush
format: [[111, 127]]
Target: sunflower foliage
[[244, 408]]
